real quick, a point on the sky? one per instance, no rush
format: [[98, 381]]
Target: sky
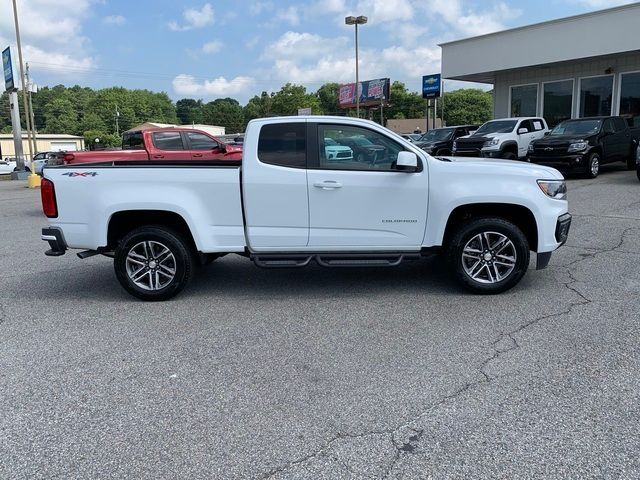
[[217, 48]]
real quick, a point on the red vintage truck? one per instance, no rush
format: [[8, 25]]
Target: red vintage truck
[[159, 144]]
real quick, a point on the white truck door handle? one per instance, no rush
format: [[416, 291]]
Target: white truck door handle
[[327, 185]]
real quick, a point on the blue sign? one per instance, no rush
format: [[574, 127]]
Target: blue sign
[[431, 86], [8, 71]]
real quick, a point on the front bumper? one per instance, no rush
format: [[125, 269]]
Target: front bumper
[[563, 162], [56, 241], [563, 224]]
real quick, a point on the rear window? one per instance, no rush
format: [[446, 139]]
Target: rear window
[[283, 144], [132, 141], [168, 141]]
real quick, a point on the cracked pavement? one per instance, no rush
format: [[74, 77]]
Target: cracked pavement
[[314, 373]]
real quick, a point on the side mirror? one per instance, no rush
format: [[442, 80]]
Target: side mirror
[[407, 162], [522, 131]]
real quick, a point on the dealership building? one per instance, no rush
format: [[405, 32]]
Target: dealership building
[[574, 67]]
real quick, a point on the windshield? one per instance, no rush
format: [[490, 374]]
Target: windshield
[[437, 135], [577, 127], [361, 141], [330, 141], [499, 126]]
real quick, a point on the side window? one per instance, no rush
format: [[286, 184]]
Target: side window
[[537, 125], [168, 141], [132, 141], [608, 126], [200, 141], [353, 148], [283, 144], [525, 124], [620, 124]]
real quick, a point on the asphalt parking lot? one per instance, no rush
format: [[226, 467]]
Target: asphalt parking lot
[[314, 373]]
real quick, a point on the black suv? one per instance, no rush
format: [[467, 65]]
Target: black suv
[[585, 144], [439, 141]]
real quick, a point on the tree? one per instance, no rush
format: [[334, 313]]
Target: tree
[[291, 97], [189, 111], [258, 107], [61, 117], [466, 106], [105, 139], [225, 112], [403, 103], [328, 96]]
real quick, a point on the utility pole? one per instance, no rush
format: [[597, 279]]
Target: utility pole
[[382, 111], [33, 179], [435, 113], [31, 89], [117, 118], [442, 108]]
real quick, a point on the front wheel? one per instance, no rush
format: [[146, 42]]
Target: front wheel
[[509, 156], [488, 255], [592, 167], [153, 263]]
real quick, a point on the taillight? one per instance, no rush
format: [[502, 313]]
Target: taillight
[[69, 157], [48, 195]]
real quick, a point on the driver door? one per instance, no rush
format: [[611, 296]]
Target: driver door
[[364, 204], [203, 147], [524, 139]]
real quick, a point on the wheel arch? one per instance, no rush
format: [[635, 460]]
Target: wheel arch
[[122, 222], [509, 146], [519, 215]]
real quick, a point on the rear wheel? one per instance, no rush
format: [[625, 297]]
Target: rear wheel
[[488, 255], [592, 167], [153, 263]]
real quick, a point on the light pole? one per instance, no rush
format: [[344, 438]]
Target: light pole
[[360, 20]]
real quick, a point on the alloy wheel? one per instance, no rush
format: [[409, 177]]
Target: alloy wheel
[[489, 257], [151, 265]]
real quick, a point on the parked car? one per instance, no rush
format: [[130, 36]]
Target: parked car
[[282, 208], [7, 165], [507, 138], [363, 148], [585, 144], [161, 145], [334, 151], [40, 160], [439, 142]]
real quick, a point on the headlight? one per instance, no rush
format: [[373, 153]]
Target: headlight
[[492, 143], [578, 146], [455, 145], [556, 189]]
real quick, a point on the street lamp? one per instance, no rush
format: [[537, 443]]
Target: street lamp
[[360, 20]]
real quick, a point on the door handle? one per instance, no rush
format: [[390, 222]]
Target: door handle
[[158, 156], [327, 185], [197, 155]]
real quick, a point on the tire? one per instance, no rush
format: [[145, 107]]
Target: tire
[[360, 158], [592, 166], [638, 172], [160, 253], [508, 156], [500, 269], [631, 159]]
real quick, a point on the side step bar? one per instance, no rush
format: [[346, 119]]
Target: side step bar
[[295, 260]]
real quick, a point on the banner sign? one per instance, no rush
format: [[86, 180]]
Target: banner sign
[[8, 71], [304, 111], [431, 86], [371, 92]]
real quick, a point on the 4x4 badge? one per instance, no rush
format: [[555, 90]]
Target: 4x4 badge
[[80, 174]]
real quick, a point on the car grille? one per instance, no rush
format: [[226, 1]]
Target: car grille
[[344, 155], [470, 144], [549, 151]]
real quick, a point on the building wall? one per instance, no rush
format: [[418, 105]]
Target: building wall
[[574, 70], [43, 144], [409, 125]]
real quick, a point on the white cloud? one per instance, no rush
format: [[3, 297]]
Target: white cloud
[[194, 18], [185, 84], [212, 47], [51, 34], [258, 7], [302, 45], [290, 15], [114, 20], [469, 22], [381, 11], [602, 3]]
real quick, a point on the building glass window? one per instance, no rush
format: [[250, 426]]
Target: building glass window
[[558, 101], [595, 96], [524, 101], [630, 98]]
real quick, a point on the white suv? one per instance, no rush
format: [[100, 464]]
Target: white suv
[[507, 138]]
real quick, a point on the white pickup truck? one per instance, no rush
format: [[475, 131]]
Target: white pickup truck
[[289, 203]]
